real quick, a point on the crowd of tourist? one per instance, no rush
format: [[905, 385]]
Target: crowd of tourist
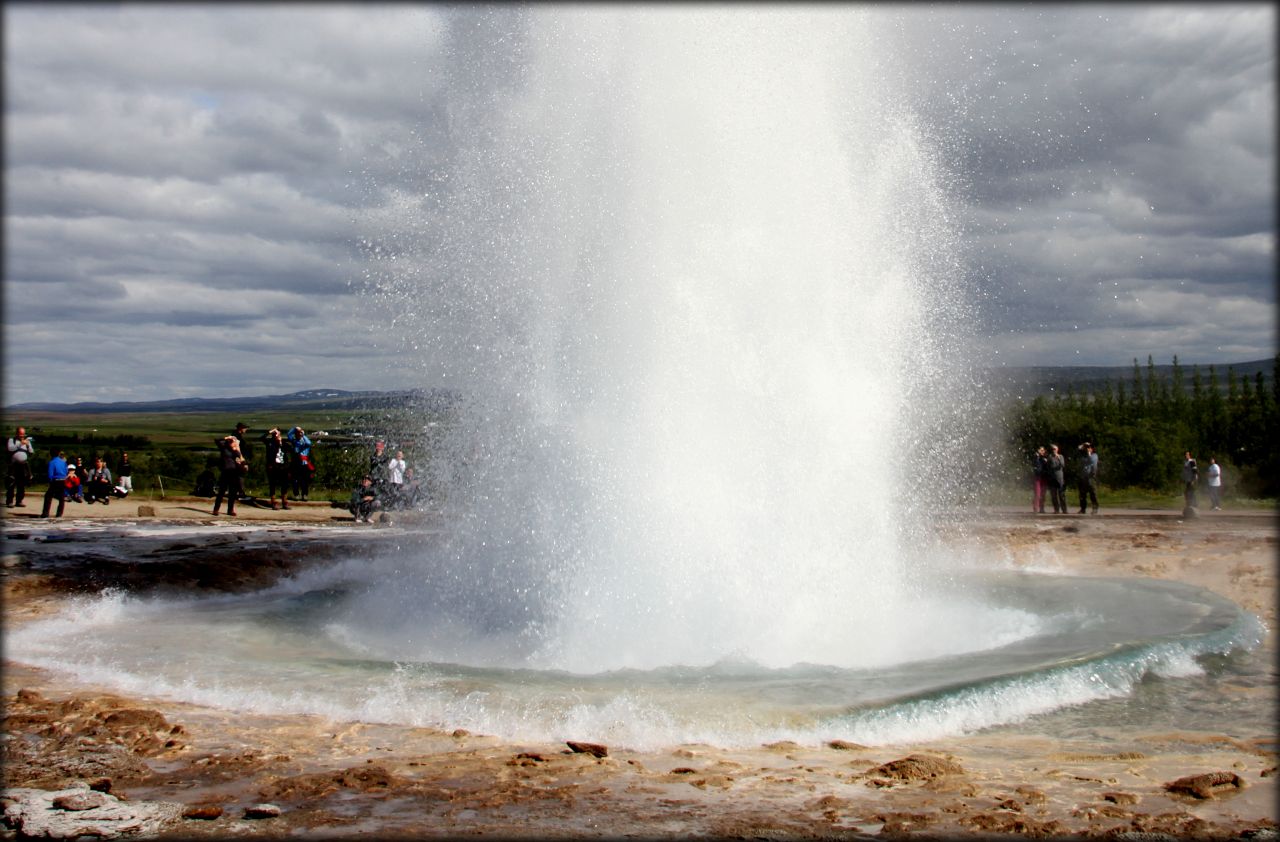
[[389, 483], [290, 467], [1049, 477], [69, 478]]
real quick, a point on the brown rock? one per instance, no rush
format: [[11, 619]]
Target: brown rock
[[203, 812], [100, 784], [1124, 799], [845, 745], [593, 749], [1207, 785], [917, 767], [137, 717], [146, 511], [366, 778], [783, 746], [29, 696]]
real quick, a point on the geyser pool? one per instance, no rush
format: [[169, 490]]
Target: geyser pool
[[300, 648]]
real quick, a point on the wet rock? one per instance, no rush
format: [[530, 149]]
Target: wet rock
[[366, 778], [783, 746], [34, 813], [202, 812], [916, 767], [262, 811], [899, 823], [1124, 799], [1207, 785], [845, 745], [593, 749], [1012, 823], [83, 738], [137, 717]]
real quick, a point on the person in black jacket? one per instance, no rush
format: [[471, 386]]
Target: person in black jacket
[[364, 500], [279, 459], [234, 467], [1057, 480]]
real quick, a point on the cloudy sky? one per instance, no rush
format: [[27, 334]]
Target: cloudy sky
[[190, 190]]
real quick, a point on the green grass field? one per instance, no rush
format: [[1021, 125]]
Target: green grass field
[[180, 443]]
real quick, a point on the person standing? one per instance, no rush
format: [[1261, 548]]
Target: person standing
[[234, 467], [412, 490], [378, 465], [1190, 476], [57, 484], [21, 449], [1039, 480], [395, 479], [246, 453], [1087, 483], [1214, 473], [303, 467], [277, 466], [1057, 480], [124, 473]]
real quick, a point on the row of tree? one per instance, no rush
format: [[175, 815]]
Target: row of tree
[[1142, 429]]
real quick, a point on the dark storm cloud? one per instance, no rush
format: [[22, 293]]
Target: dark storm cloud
[[1118, 174], [216, 184]]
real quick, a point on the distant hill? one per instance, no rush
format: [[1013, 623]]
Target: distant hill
[[1030, 381], [307, 399], [1024, 381]]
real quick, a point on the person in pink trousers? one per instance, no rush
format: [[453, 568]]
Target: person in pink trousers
[[1040, 467]]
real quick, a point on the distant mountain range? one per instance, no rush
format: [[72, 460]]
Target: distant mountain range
[[308, 399], [1026, 381]]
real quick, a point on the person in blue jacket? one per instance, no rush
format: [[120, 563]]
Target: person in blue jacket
[[303, 467], [57, 484]]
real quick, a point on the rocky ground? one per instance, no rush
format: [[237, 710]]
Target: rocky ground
[[79, 761]]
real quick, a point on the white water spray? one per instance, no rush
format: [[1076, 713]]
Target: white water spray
[[689, 270]]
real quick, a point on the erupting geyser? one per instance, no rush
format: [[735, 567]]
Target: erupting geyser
[[690, 268]]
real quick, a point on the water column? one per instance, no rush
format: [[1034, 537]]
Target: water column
[[683, 276]]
